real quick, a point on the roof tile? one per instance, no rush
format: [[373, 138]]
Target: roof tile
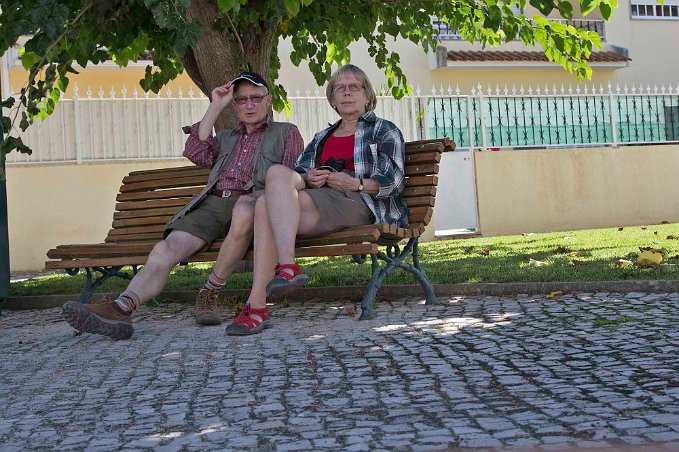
[[526, 55]]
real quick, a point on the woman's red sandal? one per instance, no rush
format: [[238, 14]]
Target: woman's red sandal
[[284, 282]]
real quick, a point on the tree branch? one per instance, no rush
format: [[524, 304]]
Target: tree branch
[[235, 33]]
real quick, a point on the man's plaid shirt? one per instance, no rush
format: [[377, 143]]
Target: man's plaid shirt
[[379, 154]]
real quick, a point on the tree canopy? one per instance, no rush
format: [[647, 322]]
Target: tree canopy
[[215, 39]]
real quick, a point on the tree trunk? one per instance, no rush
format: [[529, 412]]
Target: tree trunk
[[218, 56]]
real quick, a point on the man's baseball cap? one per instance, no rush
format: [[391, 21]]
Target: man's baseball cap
[[251, 77]]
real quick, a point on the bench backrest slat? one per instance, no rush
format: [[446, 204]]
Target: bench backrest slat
[[148, 198], [160, 184], [160, 194], [165, 170], [167, 174], [150, 204]]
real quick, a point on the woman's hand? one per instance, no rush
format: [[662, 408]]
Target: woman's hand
[[342, 182], [316, 178]]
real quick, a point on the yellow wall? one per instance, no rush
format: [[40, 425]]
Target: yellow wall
[[107, 76], [518, 191], [50, 205], [567, 189], [652, 47]]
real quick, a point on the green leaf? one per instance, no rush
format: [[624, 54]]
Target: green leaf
[[544, 6], [226, 5], [5, 122], [55, 95], [11, 143], [62, 84], [25, 122], [587, 6], [595, 39], [7, 103], [526, 35], [566, 10], [29, 59], [292, 6], [605, 10]]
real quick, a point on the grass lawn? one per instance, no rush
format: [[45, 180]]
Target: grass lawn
[[589, 255]]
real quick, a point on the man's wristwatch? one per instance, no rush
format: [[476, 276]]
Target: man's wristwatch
[[360, 184]]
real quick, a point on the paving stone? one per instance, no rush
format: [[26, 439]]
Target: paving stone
[[629, 423], [439, 439], [665, 419], [663, 436], [478, 372], [299, 445]]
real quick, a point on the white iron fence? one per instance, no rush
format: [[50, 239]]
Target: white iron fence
[[142, 126]]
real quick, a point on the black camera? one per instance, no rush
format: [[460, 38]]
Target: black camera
[[334, 165]]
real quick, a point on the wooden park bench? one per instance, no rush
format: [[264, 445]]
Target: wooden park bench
[[148, 199]]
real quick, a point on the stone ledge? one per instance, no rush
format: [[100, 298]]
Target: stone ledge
[[392, 291]]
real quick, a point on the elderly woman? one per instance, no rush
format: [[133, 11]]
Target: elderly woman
[[350, 174]]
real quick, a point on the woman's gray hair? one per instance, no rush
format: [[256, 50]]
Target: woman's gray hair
[[359, 74]]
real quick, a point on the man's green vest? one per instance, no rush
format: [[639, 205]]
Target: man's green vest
[[269, 152]]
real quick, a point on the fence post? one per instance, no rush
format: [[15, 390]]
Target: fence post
[[482, 113], [614, 139], [413, 115], [4, 230], [78, 135], [470, 125]]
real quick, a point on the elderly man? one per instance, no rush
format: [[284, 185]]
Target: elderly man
[[239, 159]]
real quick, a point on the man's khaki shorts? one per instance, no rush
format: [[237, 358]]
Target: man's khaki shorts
[[209, 221]]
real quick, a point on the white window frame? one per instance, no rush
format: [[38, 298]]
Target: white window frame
[[652, 10]]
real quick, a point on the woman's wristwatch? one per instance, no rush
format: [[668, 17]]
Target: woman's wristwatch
[[360, 184]]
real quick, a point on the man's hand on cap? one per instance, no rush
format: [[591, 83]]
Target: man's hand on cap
[[223, 94]]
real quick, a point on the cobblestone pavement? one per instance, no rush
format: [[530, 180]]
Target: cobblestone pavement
[[523, 372]]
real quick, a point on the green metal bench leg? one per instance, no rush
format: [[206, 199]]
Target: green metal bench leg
[[92, 283], [421, 275], [394, 258], [373, 286]]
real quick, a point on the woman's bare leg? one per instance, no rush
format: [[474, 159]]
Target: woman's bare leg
[[289, 209]]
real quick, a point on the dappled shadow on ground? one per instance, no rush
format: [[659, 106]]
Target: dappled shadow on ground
[[579, 371]]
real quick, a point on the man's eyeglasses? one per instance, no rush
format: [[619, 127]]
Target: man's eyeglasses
[[343, 88], [242, 100]]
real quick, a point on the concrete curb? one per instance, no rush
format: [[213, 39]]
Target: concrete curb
[[389, 292]]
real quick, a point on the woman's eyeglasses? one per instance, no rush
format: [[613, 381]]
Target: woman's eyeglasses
[[343, 88], [242, 100]]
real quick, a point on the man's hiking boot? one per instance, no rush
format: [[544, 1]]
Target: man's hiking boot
[[103, 317], [207, 308]]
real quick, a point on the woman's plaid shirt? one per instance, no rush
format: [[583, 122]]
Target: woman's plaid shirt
[[379, 154]]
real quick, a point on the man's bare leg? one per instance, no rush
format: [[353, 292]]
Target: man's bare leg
[[114, 319], [150, 280], [231, 252]]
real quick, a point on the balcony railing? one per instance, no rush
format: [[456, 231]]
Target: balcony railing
[[445, 33]]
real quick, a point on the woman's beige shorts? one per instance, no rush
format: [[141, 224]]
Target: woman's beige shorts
[[339, 210]]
